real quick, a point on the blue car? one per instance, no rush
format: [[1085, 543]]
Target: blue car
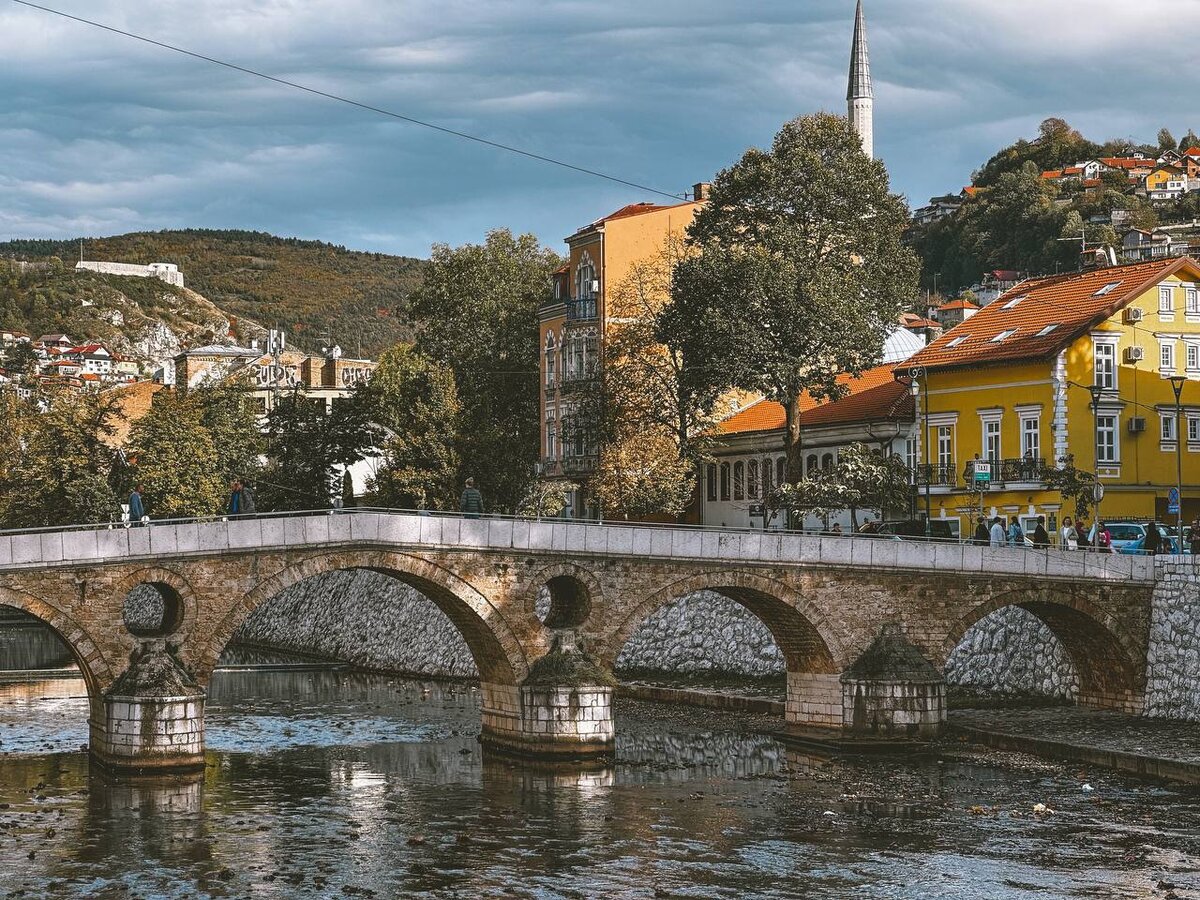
[[1130, 537]]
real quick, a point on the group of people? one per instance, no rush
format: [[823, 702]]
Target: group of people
[[1073, 535], [239, 503]]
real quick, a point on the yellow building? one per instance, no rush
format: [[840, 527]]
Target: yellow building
[[1011, 386], [574, 322]]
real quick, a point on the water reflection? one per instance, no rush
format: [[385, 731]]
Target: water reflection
[[329, 783]]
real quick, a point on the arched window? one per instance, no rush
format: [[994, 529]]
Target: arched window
[[551, 359], [752, 479], [712, 481], [585, 278], [781, 471], [739, 480], [810, 464], [827, 461], [768, 471], [724, 481]]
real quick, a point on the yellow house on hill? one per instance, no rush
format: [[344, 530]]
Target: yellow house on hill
[[1012, 386]]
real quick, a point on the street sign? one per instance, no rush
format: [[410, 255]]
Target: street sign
[[1097, 492], [757, 509], [982, 472], [1173, 501]]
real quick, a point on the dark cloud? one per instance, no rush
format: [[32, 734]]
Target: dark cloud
[[100, 134]]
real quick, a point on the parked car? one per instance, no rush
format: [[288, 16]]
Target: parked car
[[915, 530], [1130, 537]]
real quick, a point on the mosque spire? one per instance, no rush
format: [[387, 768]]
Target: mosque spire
[[860, 96]]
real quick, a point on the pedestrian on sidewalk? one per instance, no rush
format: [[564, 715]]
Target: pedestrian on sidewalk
[[1193, 537], [1016, 537], [1081, 534], [470, 504], [982, 537], [996, 534], [1103, 539], [1152, 542], [1041, 537], [1068, 537], [234, 505], [136, 510], [247, 501]]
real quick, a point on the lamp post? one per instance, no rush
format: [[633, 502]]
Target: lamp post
[[919, 384], [1177, 386], [1096, 390]]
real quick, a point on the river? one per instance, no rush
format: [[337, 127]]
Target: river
[[328, 783]]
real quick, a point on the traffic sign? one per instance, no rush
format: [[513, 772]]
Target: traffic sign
[[1173, 501], [982, 471], [757, 510]]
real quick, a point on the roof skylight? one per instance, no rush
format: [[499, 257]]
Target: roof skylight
[[1107, 289], [1014, 301], [1004, 335], [1049, 328], [958, 340]]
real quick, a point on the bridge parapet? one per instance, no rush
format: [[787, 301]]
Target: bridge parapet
[[51, 549]]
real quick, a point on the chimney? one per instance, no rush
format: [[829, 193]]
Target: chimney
[[701, 190]]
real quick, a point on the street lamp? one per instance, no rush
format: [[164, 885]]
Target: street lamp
[[1177, 386], [919, 383], [1096, 390]]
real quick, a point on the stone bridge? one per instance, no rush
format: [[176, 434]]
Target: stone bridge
[[865, 625]]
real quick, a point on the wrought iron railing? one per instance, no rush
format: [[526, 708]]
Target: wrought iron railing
[[937, 475], [581, 310]]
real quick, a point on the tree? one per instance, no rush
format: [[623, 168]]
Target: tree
[[231, 418], [348, 498], [862, 478], [21, 358], [177, 463], [1188, 141], [545, 498], [1166, 140], [64, 463], [415, 402], [799, 274], [1075, 485], [477, 315], [307, 448]]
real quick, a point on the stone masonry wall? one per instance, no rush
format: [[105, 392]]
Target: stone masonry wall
[[1173, 660], [1012, 651]]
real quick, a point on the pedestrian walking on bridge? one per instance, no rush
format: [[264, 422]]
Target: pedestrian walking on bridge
[[470, 504], [136, 510]]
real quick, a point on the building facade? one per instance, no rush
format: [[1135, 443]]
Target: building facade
[[1012, 387]]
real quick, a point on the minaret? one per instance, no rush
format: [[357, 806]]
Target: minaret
[[860, 98]]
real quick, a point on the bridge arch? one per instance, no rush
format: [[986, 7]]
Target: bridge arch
[[574, 592], [96, 671], [497, 653], [800, 629], [1106, 656], [179, 599]]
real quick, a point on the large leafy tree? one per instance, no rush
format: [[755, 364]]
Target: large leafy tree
[[415, 402], [799, 273], [477, 315], [309, 448], [862, 478], [64, 463], [176, 459], [231, 418]]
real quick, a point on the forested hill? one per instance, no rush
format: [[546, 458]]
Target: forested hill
[[307, 287], [1022, 212]]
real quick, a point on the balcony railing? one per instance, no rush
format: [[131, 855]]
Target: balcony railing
[[581, 310], [1026, 469], [578, 465], [937, 475]]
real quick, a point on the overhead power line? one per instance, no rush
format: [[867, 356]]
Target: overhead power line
[[328, 96]]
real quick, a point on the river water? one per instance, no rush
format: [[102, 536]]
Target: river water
[[340, 784]]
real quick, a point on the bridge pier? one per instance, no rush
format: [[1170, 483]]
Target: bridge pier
[[892, 691], [152, 718], [563, 710]]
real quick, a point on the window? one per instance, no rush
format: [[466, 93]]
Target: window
[[1106, 365], [1167, 423], [827, 462], [724, 481], [945, 445], [1107, 289], [1192, 301], [1193, 356], [991, 440], [585, 279], [768, 482], [550, 360], [958, 340], [1193, 429], [781, 471], [1004, 335], [1045, 331], [1107, 448], [1166, 355], [551, 433], [810, 464], [752, 479], [911, 456], [1166, 300], [739, 480], [711, 478], [1014, 301], [1031, 438]]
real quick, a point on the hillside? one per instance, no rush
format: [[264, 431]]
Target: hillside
[[1029, 206], [310, 288], [139, 317]]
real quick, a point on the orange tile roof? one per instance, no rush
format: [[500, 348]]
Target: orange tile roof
[[1126, 162], [637, 209], [1072, 170], [1052, 173], [970, 190], [873, 395], [1192, 151], [1068, 302], [958, 304]]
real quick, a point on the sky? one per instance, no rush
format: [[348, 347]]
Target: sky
[[100, 134]]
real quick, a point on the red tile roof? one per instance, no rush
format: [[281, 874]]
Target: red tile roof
[[958, 304], [1052, 173], [1125, 162], [637, 209], [1069, 302], [874, 395]]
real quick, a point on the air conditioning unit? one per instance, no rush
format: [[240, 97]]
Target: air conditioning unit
[[1133, 314], [1134, 354], [1137, 424]]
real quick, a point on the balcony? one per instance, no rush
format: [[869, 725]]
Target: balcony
[[582, 310], [1027, 470], [578, 465], [937, 475]]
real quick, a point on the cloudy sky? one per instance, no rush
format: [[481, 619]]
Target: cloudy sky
[[100, 134]]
